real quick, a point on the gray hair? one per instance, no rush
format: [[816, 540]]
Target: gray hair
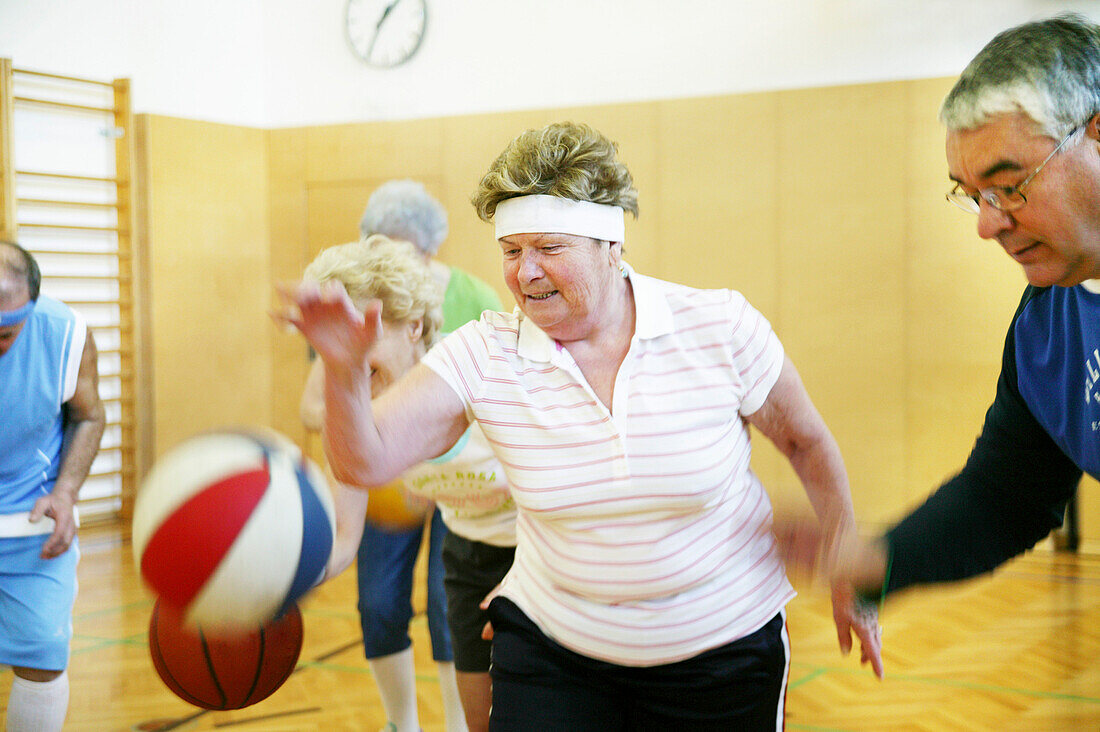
[[403, 209], [1047, 69]]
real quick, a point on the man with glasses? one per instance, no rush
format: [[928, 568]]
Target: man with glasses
[[1023, 149]]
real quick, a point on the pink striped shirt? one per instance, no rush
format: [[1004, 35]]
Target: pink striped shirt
[[643, 535]]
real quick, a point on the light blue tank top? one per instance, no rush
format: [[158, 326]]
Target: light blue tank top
[[37, 375]]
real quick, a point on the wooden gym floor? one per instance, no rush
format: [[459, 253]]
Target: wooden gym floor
[[1019, 650]]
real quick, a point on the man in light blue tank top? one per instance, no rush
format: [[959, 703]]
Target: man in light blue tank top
[[52, 421]]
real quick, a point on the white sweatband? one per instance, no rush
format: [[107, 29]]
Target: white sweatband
[[556, 215]]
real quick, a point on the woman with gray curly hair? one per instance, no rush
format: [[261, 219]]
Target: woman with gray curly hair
[[647, 590], [403, 209]]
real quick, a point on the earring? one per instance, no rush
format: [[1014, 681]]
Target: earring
[[622, 270]]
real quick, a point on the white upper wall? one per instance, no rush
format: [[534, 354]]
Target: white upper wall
[[279, 63]]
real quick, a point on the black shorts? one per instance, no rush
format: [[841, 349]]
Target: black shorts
[[540, 685], [471, 569]]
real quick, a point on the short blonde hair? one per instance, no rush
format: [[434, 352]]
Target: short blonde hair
[[379, 268], [564, 159]]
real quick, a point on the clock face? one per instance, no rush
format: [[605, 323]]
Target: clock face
[[385, 33]]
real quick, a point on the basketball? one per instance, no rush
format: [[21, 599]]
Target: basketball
[[223, 672], [233, 527], [393, 508]]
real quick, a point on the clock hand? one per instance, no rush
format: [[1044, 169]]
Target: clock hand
[[378, 26], [386, 14]]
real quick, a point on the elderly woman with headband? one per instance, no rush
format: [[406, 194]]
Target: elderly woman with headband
[[647, 591]]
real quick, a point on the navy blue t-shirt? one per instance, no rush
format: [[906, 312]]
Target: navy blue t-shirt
[[1058, 369], [1041, 432]]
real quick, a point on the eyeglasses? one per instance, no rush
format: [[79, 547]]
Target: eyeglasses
[[1002, 198]]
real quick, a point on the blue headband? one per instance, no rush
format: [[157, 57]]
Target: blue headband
[[14, 317]]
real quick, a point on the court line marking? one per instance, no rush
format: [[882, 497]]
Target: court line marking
[[972, 685]]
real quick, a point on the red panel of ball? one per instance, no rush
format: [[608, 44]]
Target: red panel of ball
[[186, 549]]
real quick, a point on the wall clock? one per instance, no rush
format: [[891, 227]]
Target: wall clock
[[385, 33]]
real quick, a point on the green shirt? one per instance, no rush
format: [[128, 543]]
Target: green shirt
[[465, 299]]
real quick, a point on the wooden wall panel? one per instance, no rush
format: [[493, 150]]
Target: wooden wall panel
[[287, 206], [841, 257], [719, 193], [209, 257], [333, 212], [718, 198], [406, 149], [961, 292]]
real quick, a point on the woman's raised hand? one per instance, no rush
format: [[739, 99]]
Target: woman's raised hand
[[326, 316]]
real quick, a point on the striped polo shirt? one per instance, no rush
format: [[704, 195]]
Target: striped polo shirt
[[643, 536]]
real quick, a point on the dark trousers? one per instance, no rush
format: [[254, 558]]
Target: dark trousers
[[539, 685]]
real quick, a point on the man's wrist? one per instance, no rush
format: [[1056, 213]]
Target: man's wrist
[[873, 590]]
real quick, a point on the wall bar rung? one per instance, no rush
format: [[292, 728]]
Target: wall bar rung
[[98, 278], [67, 176], [77, 79], [120, 303], [63, 105], [79, 252], [66, 204], [69, 227]]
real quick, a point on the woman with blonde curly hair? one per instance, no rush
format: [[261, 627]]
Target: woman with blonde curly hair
[[466, 484], [647, 590]]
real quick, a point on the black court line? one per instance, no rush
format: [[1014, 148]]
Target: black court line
[[1038, 575], [332, 653], [274, 715], [174, 724]]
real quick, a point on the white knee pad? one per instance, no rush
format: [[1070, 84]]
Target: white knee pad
[[38, 706]]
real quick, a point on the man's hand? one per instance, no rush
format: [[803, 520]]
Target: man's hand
[[853, 615], [59, 507], [847, 561]]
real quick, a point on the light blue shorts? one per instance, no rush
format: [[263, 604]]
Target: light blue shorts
[[36, 603]]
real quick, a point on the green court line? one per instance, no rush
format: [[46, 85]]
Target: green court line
[[136, 638], [809, 677], [99, 643], [813, 728], [96, 647], [112, 610], [974, 686]]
